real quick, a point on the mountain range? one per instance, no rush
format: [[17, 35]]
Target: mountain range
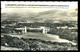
[[51, 15]]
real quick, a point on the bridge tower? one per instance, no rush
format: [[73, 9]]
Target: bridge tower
[[44, 31], [25, 29]]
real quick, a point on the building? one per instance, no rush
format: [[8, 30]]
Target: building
[[64, 27]]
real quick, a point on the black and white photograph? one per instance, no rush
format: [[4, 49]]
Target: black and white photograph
[[39, 26]]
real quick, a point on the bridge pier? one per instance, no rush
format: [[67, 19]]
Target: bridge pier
[[44, 31], [25, 30]]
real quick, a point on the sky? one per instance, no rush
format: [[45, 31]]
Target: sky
[[72, 6]]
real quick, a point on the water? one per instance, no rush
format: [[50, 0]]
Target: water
[[59, 39], [9, 48], [46, 37]]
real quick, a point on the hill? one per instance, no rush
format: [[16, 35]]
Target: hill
[[51, 15]]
